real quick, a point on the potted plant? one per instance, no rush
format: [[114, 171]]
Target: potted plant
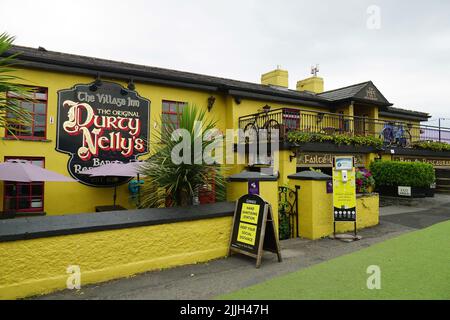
[[365, 182], [180, 184]]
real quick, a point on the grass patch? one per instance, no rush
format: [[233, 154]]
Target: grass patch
[[413, 266]]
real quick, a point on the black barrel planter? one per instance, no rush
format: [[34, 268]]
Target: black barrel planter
[[416, 192]]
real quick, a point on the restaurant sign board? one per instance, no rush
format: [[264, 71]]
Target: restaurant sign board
[[325, 160], [99, 124], [436, 162]]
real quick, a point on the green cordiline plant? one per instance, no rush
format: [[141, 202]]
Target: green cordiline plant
[[338, 139], [12, 114], [171, 184], [397, 173]]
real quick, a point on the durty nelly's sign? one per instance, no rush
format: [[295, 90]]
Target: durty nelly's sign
[[98, 124]]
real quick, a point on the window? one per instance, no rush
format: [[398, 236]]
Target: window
[[291, 118], [37, 106], [171, 112], [24, 196]]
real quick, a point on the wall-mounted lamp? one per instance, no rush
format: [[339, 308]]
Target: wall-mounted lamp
[[237, 100], [266, 108], [123, 92], [211, 101], [131, 85], [97, 83], [292, 156], [320, 117]]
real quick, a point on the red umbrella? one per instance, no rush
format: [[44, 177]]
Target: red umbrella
[[24, 171]]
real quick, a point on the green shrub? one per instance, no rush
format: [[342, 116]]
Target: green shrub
[[396, 173], [431, 145], [338, 139]]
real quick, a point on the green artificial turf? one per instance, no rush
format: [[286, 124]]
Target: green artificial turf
[[415, 265]]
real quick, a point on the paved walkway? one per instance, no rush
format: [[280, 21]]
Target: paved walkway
[[208, 280]]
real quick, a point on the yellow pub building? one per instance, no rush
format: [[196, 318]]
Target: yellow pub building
[[140, 97]]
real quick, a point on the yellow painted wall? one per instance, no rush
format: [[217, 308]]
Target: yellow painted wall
[[276, 77], [65, 198], [286, 166], [315, 210], [38, 266], [370, 158], [268, 191], [312, 84], [368, 215]]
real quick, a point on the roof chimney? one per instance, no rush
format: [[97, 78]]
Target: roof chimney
[[277, 77], [312, 84]]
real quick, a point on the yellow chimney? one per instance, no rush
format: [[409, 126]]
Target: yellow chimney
[[277, 77], [313, 84]]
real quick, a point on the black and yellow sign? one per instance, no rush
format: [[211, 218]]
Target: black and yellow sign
[[253, 228]]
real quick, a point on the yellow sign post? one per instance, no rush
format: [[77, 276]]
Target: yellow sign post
[[344, 190]]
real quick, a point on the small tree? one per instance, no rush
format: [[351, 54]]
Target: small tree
[[169, 183], [12, 114]]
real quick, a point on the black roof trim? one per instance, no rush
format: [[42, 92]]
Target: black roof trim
[[88, 65], [404, 114], [408, 112], [274, 98], [310, 175], [114, 75], [251, 176]]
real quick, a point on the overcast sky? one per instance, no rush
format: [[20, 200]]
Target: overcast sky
[[406, 53]]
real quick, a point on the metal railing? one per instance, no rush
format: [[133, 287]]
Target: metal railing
[[396, 132]]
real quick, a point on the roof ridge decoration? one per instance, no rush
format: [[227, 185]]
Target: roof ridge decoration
[[371, 93], [364, 92]]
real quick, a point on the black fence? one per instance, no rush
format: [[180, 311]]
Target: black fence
[[392, 132]]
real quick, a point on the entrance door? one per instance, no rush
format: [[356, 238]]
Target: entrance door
[[361, 125]]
